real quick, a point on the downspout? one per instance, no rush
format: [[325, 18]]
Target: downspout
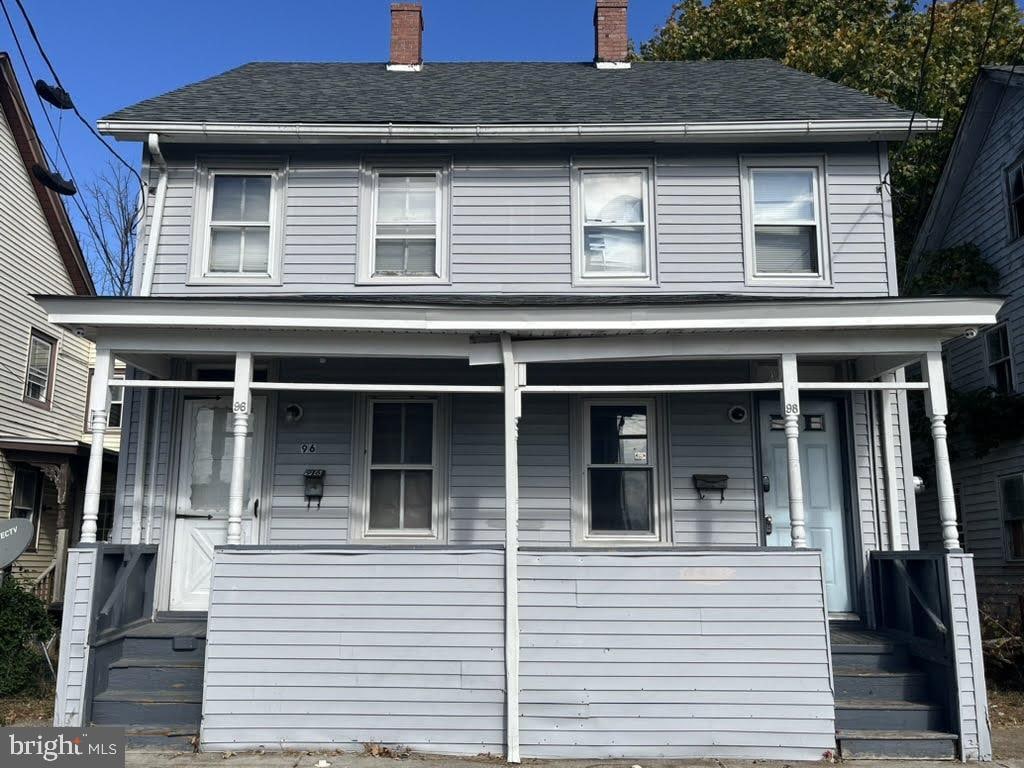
[[153, 234]]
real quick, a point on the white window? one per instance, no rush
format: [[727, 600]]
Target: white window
[[1000, 360], [1015, 191], [238, 228], [26, 495], [612, 240], [116, 405], [403, 487], [403, 237], [39, 371], [619, 495], [785, 237], [1011, 503]]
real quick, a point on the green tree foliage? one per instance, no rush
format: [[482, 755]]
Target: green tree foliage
[[957, 270], [23, 622], [876, 46]]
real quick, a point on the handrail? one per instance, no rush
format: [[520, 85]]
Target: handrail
[[901, 568], [42, 587]]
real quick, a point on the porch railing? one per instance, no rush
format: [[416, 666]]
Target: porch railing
[[125, 583], [912, 599], [42, 587]]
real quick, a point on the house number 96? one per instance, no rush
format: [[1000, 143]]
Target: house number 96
[[308, 447]]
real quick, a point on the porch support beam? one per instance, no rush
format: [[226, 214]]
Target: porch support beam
[[888, 441], [937, 409], [513, 377], [240, 407], [99, 398], [791, 411]]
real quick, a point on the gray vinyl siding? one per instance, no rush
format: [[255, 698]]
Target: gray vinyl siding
[[476, 482], [969, 672], [390, 646], [74, 648], [674, 654], [545, 493], [511, 224]]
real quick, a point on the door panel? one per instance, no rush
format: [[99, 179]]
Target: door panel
[[824, 492], [204, 477]]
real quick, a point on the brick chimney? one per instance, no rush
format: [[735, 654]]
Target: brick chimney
[[611, 36], [406, 37]]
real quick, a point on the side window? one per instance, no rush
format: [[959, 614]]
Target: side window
[[116, 405], [403, 230], [612, 237], [1011, 504], [27, 495], [1000, 359], [39, 369], [784, 221], [238, 224], [1015, 194]]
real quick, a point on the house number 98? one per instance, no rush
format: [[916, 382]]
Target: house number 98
[[793, 408], [241, 406]]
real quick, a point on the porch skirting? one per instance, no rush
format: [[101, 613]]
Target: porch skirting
[[640, 654]]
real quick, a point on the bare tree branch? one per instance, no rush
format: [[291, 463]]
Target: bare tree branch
[[111, 228]]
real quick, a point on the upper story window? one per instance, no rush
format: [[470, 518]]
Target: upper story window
[[238, 225], [612, 242], [42, 353], [1015, 190], [785, 236], [1000, 360], [403, 237]]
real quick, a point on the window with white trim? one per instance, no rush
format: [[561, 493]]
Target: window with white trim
[[620, 490], [1000, 359], [612, 211], [238, 227], [27, 495], [39, 369], [785, 237], [402, 484], [1011, 504], [1015, 193], [116, 408], [403, 230]]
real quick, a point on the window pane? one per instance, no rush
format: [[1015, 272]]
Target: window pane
[[1001, 377], [785, 250], [38, 375], [1012, 496], [256, 249], [114, 416], [418, 498], [385, 495], [620, 500], [1017, 182], [618, 434], [227, 197], [24, 497], [1018, 213], [998, 343], [406, 198], [225, 249], [783, 196], [613, 196], [211, 460], [1015, 538], [387, 433], [405, 257], [419, 433], [256, 202], [614, 249]]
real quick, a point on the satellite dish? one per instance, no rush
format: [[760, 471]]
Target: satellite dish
[[15, 536]]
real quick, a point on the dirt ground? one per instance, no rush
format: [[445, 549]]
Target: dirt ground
[[27, 711]]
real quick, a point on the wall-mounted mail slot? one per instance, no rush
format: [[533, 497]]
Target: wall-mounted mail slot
[[706, 483]]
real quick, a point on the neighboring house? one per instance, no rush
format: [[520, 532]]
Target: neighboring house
[[980, 201], [521, 408], [46, 368]]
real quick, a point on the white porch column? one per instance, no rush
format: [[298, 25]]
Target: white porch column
[[240, 407], [791, 416], [99, 398], [937, 409], [892, 502], [513, 377]]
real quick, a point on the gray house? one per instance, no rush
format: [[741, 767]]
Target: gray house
[[528, 409], [980, 200]]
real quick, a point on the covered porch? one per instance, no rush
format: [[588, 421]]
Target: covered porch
[[669, 460]]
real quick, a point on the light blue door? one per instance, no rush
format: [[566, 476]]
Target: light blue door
[[824, 491]]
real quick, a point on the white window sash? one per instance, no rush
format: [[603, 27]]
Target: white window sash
[[39, 375]]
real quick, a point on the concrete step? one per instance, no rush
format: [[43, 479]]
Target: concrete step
[[888, 715], [156, 673], [874, 684], [167, 739], [166, 709], [896, 745]]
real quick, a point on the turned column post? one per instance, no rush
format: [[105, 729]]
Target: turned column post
[[241, 406], [791, 419], [99, 399], [937, 409]]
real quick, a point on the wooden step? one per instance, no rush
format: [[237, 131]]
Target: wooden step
[[896, 745]]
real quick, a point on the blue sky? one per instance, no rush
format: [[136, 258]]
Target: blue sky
[[111, 53]]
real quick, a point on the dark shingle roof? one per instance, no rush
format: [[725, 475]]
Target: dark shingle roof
[[511, 92]]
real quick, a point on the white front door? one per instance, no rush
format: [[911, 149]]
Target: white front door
[[204, 477], [824, 493]]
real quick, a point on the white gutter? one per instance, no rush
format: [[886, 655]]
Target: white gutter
[[879, 130], [153, 233]]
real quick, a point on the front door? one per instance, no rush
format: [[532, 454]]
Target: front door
[[204, 477], [821, 451]]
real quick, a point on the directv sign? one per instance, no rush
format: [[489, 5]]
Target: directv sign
[[15, 536]]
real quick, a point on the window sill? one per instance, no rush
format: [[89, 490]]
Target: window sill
[[271, 280], [793, 281], [398, 280], [622, 541], [46, 405], [614, 281]]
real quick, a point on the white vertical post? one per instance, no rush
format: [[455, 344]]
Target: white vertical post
[[99, 398], [513, 375], [240, 408], [892, 501], [791, 416], [152, 457], [138, 479], [937, 409]]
